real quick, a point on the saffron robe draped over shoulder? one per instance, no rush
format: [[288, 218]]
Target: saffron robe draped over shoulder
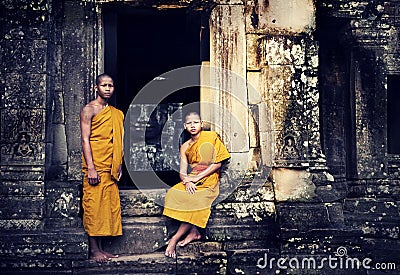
[[101, 202], [195, 208]]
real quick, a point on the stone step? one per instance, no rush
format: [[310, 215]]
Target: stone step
[[156, 263], [147, 202], [242, 203], [252, 261], [42, 252], [143, 235]]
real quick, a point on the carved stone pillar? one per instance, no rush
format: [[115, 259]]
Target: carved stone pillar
[[283, 64], [24, 82]]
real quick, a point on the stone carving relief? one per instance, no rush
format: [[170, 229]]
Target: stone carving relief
[[289, 149], [64, 206], [24, 147], [22, 133]]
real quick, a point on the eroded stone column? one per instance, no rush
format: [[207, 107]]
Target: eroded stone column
[[24, 82], [79, 47], [229, 114], [283, 63]]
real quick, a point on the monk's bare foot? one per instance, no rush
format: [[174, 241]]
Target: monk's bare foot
[[98, 257], [193, 235], [109, 255], [170, 251]]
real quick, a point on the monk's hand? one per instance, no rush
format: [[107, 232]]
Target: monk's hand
[[190, 187], [119, 172], [93, 177]]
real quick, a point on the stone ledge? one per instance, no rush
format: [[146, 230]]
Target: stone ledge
[[245, 261], [155, 263], [141, 235], [45, 246]]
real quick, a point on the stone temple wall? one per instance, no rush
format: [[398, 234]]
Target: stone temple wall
[[358, 50], [318, 121]]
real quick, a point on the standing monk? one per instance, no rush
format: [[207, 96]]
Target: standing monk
[[102, 131], [190, 200]]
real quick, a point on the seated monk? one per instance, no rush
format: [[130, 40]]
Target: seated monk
[[190, 200]]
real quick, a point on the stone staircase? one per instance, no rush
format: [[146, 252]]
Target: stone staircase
[[241, 229]]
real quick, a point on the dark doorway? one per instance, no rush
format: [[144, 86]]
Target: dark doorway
[[141, 44], [393, 118]]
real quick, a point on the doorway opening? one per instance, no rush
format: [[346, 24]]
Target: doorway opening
[[139, 45]]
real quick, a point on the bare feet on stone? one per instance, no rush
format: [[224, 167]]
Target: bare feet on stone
[[170, 251], [109, 255], [99, 257], [193, 235]]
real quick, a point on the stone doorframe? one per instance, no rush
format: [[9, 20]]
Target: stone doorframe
[[280, 121]]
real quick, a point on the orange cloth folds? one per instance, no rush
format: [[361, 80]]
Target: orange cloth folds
[[195, 208], [117, 121]]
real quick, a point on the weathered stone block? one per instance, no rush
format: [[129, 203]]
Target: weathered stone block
[[25, 25], [55, 245], [252, 190], [283, 50], [271, 243], [142, 203], [289, 116], [35, 266], [293, 185], [16, 225], [25, 56], [380, 229], [296, 16], [253, 53], [331, 191], [256, 88], [334, 135], [31, 207], [147, 264], [253, 127], [199, 248], [22, 173], [335, 212], [59, 150], [35, 5], [252, 261], [243, 213], [303, 217], [372, 207], [268, 149], [239, 232], [239, 162], [140, 236], [320, 241], [277, 80], [29, 188], [27, 91]]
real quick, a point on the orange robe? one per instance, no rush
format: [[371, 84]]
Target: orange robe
[[101, 203], [195, 208]]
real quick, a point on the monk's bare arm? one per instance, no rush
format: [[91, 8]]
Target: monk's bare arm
[[208, 171], [86, 116], [183, 167]]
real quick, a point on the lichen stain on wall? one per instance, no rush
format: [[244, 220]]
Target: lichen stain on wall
[[293, 185], [296, 16]]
